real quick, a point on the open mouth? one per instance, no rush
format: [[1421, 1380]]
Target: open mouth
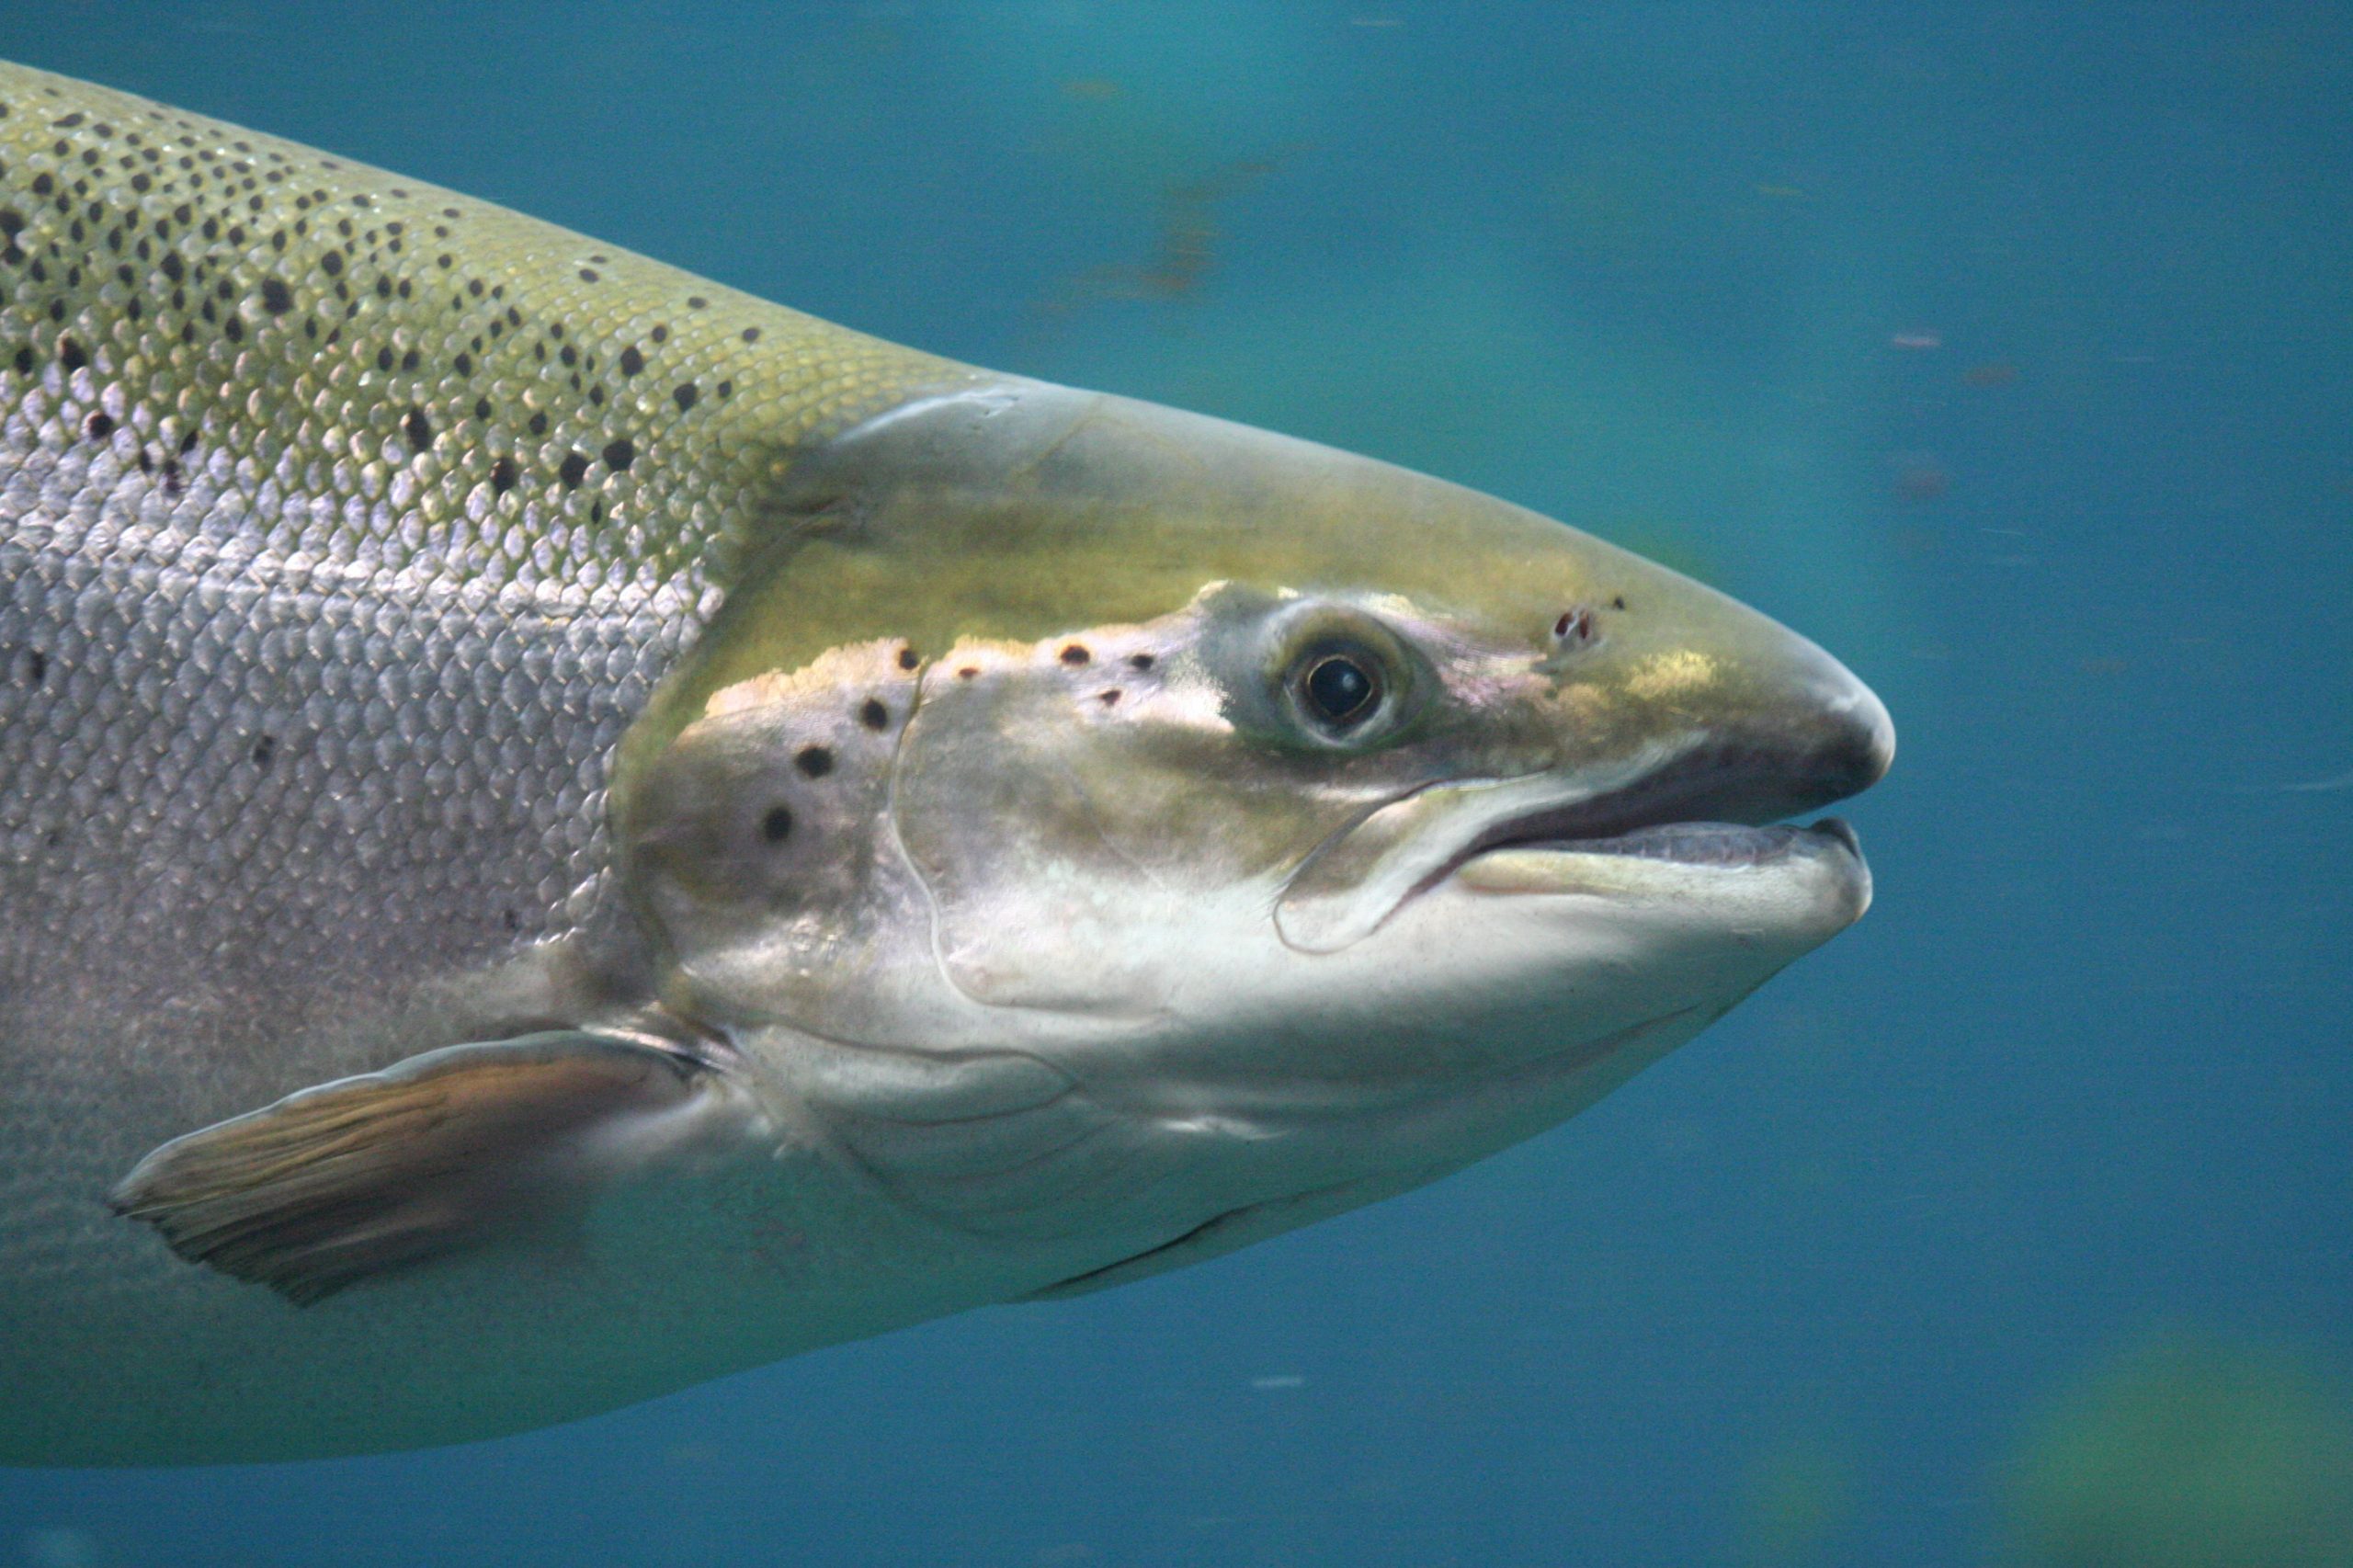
[[1703, 811], [1700, 809], [1729, 845]]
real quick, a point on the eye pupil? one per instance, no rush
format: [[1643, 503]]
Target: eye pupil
[[1340, 690]]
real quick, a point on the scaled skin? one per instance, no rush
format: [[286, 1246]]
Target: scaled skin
[[856, 826]]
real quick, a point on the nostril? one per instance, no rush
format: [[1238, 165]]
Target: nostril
[[1574, 628]]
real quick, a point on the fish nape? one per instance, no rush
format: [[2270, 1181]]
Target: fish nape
[[567, 831]]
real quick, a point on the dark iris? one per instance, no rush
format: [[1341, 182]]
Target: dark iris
[[1340, 691]]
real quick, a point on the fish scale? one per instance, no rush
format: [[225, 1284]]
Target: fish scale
[[344, 525], [415, 499]]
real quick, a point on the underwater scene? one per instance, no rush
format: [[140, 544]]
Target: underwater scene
[[638, 931]]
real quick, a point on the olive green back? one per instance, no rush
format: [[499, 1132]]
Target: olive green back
[[439, 368]]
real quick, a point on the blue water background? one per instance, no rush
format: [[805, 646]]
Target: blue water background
[[2003, 350]]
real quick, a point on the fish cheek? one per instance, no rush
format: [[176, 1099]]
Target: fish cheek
[[1067, 844]]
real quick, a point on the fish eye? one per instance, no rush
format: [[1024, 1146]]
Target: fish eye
[[1337, 689], [1340, 690]]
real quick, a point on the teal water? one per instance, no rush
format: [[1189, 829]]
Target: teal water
[[2007, 352]]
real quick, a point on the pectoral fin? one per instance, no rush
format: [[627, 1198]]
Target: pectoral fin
[[371, 1174]]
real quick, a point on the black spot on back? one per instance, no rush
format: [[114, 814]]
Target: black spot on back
[[686, 394], [620, 454], [776, 826], [814, 762], [503, 475], [873, 715], [276, 297], [418, 429], [631, 360], [573, 470]]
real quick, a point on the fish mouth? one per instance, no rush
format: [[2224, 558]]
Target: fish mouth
[[1720, 846], [1708, 809], [1700, 809]]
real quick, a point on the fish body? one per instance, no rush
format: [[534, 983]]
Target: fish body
[[565, 830]]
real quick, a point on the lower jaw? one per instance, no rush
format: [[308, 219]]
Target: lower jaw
[[1626, 861]]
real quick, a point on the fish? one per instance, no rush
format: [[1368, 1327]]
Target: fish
[[567, 831]]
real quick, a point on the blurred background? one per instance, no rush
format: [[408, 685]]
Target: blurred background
[[2005, 350]]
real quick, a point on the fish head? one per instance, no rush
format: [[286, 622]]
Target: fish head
[[1233, 775]]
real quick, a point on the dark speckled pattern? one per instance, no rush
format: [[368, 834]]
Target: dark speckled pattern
[[344, 524]]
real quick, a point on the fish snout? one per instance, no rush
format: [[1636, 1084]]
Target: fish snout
[[1832, 733], [1755, 723]]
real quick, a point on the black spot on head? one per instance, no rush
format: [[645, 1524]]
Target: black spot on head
[[1073, 653], [384, 356], [588, 275], [814, 762], [619, 453], [465, 363], [697, 303], [873, 715], [503, 475], [909, 658], [968, 672], [1619, 602], [751, 335], [1109, 698], [727, 389], [539, 423], [332, 262], [686, 394], [11, 223], [482, 408], [1139, 661], [775, 826], [631, 360], [573, 470], [276, 297], [419, 430]]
